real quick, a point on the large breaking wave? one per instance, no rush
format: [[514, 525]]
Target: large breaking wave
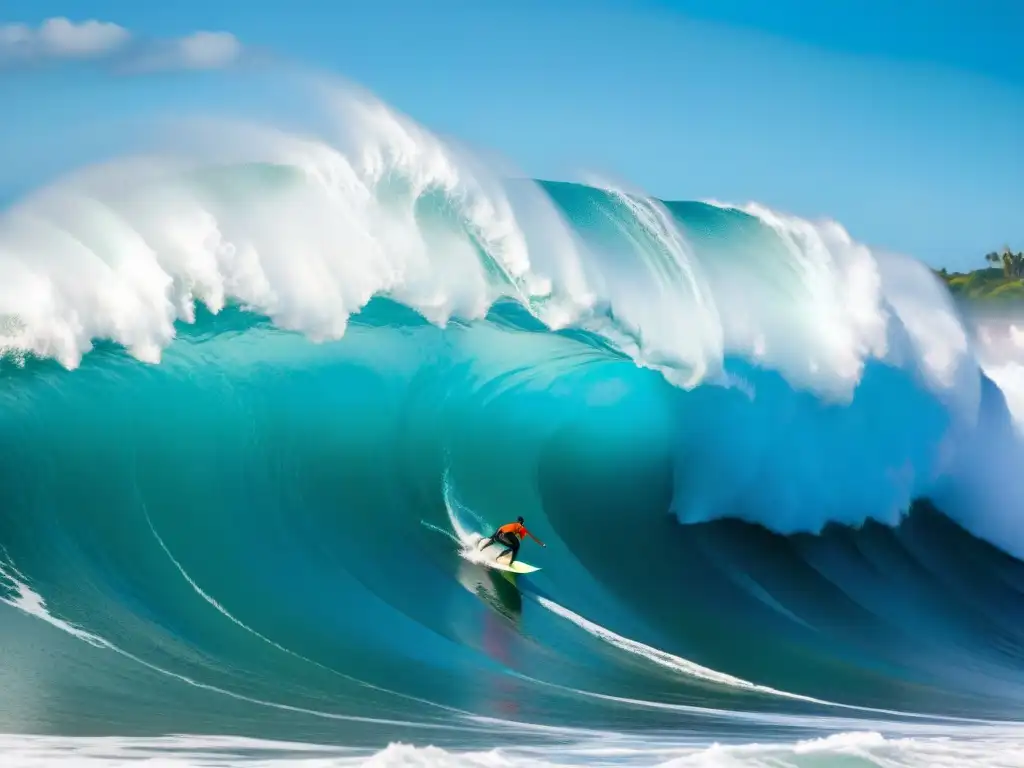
[[248, 378]]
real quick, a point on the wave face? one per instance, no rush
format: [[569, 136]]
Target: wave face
[[259, 390]]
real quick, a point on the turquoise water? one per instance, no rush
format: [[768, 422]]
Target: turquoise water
[[247, 408]]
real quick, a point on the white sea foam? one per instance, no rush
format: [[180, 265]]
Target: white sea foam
[[999, 749]]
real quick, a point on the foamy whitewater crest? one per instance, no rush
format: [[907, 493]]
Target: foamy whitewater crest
[[666, 316], [1000, 348], [861, 748], [810, 309], [928, 333], [833, 304], [123, 250], [307, 228], [852, 749]]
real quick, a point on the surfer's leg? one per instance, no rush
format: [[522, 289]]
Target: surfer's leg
[[502, 539], [513, 547], [487, 543]]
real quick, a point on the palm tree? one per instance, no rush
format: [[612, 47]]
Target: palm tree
[[1007, 258], [1012, 263]]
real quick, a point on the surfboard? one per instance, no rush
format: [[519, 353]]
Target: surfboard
[[517, 567]]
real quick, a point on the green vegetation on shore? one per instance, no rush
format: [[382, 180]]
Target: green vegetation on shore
[[1004, 280]]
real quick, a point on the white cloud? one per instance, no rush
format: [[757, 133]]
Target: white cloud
[[60, 38], [209, 49], [200, 50]]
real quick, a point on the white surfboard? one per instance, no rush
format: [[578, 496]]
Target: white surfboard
[[499, 565], [517, 567]]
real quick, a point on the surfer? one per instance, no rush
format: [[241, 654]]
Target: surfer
[[510, 535]]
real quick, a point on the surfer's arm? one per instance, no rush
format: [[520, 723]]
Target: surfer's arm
[[533, 537]]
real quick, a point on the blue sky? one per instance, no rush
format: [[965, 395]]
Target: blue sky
[[902, 119]]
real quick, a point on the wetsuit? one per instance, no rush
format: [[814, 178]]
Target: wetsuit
[[510, 535]]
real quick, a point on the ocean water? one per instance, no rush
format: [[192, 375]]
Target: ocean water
[[259, 391]]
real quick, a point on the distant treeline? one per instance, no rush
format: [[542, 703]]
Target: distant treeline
[[1004, 279]]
